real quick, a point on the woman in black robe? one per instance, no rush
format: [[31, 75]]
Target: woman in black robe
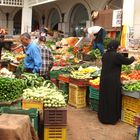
[[109, 111]]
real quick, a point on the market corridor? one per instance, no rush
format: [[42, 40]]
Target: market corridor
[[83, 124]]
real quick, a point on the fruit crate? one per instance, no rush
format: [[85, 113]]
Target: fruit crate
[[131, 103], [64, 86], [93, 93], [55, 116], [33, 114], [79, 82], [127, 116], [55, 133], [93, 104], [77, 96], [32, 104], [63, 78]]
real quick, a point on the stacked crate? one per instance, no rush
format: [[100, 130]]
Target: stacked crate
[[93, 98], [55, 121], [77, 95], [130, 107]]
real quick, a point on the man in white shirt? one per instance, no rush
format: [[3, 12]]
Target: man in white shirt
[[96, 35]]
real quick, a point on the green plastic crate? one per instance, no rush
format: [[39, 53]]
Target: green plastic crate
[[54, 74], [93, 104], [64, 87], [12, 105], [93, 93], [33, 114]]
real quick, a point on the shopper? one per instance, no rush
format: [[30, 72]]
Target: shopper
[[109, 111], [96, 35], [47, 58], [32, 61]]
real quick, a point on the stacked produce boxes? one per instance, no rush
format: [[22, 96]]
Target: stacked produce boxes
[[130, 107], [93, 98], [55, 121]]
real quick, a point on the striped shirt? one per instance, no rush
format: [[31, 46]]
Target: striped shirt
[[47, 60]]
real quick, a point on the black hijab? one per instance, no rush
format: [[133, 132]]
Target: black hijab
[[113, 45]]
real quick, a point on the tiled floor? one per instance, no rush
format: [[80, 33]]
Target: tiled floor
[[83, 124]]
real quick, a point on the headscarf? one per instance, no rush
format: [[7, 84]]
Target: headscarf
[[113, 45]]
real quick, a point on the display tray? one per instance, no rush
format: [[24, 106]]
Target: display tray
[[134, 94]]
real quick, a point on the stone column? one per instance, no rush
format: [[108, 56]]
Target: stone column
[[26, 24]]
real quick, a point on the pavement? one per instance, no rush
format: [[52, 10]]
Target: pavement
[[83, 124]]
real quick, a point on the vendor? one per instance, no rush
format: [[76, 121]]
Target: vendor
[[32, 60]]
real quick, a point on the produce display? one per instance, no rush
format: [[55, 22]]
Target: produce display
[[95, 82], [132, 86], [10, 88], [131, 78], [84, 73], [6, 73], [32, 80], [50, 96]]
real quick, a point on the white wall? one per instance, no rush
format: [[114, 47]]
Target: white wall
[[137, 19]]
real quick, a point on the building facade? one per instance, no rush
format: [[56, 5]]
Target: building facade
[[19, 16]]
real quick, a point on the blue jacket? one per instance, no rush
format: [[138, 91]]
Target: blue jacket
[[33, 58]]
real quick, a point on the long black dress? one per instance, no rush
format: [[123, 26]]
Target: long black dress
[[110, 87]]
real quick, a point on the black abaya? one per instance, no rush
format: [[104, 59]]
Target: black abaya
[[110, 87]]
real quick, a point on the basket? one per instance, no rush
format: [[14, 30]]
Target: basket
[[63, 78], [32, 104], [33, 114], [79, 82], [93, 93], [77, 96], [55, 116], [93, 104], [55, 133], [131, 103]]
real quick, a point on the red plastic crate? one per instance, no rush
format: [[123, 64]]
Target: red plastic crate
[[55, 116], [63, 78]]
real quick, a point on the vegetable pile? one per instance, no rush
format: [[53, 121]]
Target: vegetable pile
[[50, 96], [10, 88]]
